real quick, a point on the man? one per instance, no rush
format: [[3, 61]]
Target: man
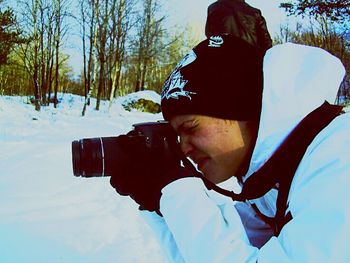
[[223, 129], [240, 19]]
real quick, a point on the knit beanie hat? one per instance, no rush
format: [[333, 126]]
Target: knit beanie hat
[[221, 77]]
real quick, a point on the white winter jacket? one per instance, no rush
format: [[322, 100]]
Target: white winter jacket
[[202, 226]]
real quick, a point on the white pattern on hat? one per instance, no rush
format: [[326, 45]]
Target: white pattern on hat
[[215, 41], [175, 84]]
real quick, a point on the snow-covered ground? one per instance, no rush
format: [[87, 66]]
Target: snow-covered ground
[[46, 214]]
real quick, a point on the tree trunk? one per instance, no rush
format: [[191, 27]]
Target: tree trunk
[[42, 55], [92, 67], [119, 50], [84, 50], [58, 17], [37, 99]]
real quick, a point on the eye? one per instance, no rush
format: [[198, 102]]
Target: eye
[[189, 127]]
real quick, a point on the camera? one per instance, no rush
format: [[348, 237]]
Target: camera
[[93, 157]]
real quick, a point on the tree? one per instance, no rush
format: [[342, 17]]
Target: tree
[[177, 45], [42, 22], [148, 45], [37, 98], [122, 22], [60, 15], [14, 79], [336, 10], [328, 29], [125, 49], [10, 35], [89, 16], [105, 25], [102, 32]]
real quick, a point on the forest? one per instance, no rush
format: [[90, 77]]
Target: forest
[[125, 45]]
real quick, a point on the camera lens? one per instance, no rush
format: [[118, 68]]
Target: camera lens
[[88, 157], [95, 157]]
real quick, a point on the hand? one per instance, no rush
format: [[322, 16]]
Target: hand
[[145, 171]]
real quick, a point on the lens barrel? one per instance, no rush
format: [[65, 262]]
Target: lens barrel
[[88, 157], [95, 157]]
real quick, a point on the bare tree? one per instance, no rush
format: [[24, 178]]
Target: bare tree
[[150, 33], [334, 10], [61, 13], [43, 25], [82, 20], [176, 46], [37, 99], [46, 46], [104, 45], [91, 11], [121, 24], [321, 33], [102, 32], [329, 28]]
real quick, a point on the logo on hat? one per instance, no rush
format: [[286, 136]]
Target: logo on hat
[[215, 41], [174, 87]]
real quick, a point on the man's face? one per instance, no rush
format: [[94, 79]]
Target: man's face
[[219, 147]]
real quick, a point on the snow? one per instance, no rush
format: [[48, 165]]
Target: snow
[[47, 214]]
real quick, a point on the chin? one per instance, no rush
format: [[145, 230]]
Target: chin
[[216, 177]]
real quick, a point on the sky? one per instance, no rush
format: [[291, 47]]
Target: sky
[[194, 13]]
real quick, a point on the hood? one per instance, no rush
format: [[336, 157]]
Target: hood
[[297, 80]]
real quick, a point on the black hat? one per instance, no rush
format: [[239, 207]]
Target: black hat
[[221, 77]]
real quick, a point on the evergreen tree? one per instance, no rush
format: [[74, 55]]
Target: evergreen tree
[[9, 33], [335, 10]]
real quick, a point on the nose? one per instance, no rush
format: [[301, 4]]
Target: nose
[[185, 144]]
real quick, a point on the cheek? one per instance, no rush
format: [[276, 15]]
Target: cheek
[[201, 140], [225, 145], [212, 144]]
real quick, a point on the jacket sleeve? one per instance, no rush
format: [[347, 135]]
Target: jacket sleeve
[[205, 231], [163, 235]]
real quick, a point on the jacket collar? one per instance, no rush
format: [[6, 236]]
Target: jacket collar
[[297, 79]]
